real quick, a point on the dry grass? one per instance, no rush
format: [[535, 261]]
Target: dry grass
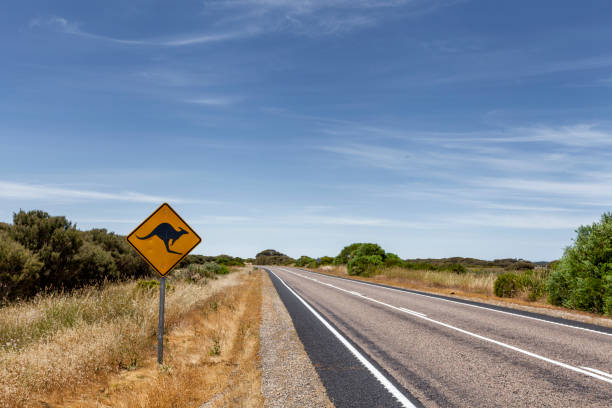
[[472, 286], [471, 282], [58, 345], [467, 282]]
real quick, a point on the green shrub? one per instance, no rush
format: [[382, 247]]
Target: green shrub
[[583, 277], [534, 281], [152, 284], [393, 260], [369, 249], [304, 260], [272, 257], [326, 260], [92, 263], [147, 284], [346, 253], [507, 285], [456, 268], [364, 265], [19, 269], [229, 261], [53, 254]]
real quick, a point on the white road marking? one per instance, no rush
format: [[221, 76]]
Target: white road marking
[[412, 311], [598, 371], [478, 336], [377, 374], [355, 293], [470, 305]]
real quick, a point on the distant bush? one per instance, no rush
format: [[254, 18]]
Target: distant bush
[[392, 260], [364, 265], [272, 257], [228, 260], [326, 260], [346, 253], [456, 268], [583, 277], [365, 259], [202, 259], [507, 285], [304, 260]]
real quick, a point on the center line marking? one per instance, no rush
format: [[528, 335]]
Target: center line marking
[[478, 336]]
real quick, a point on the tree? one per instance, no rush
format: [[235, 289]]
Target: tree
[[365, 258], [583, 277], [347, 252]]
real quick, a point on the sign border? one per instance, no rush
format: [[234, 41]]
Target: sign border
[[144, 257]]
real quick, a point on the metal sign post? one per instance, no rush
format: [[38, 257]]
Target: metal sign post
[[160, 328]]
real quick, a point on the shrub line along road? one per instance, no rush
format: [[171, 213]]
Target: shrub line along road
[[427, 349]]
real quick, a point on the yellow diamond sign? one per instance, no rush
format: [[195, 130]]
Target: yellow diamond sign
[[163, 239]]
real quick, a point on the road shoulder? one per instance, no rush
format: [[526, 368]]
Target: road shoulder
[[288, 377]]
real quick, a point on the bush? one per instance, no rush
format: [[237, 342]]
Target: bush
[[583, 277], [364, 265], [346, 253], [272, 257], [147, 284], [507, 285], [370, 249], [304, 261], [457, 268], [19, 269], [228, 260], [41, 252], [326, 260], [392, 260], [151, 284], [534, 282], [210, 269]]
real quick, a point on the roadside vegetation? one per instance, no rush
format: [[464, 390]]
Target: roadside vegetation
[[581, 279], [57, 344], [272, 257], [43, 253]]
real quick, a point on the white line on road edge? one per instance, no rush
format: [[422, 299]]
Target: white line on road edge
[[598, 371], [465, 304], [478, 336], [377, 374]]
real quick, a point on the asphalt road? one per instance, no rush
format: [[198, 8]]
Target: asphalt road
[[401, 348]]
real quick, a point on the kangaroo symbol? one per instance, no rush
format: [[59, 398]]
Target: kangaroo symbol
[[166, 233]]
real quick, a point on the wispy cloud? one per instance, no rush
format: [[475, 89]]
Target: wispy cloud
[[213, 100], [24, 191], [64, 26], [319, 17], [524, 221]]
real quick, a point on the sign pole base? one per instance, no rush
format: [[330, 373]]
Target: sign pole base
[[160, 329]]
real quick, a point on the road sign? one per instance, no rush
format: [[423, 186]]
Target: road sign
[[163, 239]]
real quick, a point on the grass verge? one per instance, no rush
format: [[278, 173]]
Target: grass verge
[[59, 346]]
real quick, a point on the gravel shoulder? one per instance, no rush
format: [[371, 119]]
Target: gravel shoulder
[[288, 377]]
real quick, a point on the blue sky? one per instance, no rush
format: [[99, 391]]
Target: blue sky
[[435, 128]]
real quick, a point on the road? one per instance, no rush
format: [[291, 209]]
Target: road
[[410, 349]]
